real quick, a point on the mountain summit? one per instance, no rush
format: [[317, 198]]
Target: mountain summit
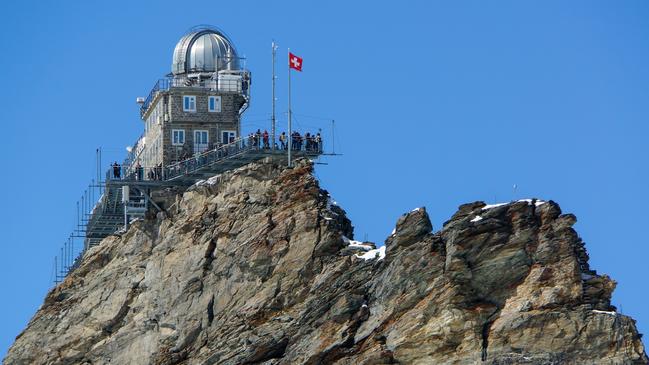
[[259, 266]]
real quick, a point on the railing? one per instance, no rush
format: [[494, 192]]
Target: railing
[[238, 82], [201, 160]]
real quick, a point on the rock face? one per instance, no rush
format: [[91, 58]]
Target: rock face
[[255, 270]]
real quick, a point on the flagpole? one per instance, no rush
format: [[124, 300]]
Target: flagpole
[[290, 132]]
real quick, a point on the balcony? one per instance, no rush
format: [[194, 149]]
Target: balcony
[[235, 82]]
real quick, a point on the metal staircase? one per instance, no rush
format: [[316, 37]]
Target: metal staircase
[[107, 217]]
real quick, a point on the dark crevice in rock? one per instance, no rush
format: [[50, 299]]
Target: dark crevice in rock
[[485, 339], [209, 254], [486, 328], [210, 311]]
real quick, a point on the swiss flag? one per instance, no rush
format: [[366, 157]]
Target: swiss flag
[[294, 62]]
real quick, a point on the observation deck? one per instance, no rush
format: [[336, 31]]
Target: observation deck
[[114, 210]]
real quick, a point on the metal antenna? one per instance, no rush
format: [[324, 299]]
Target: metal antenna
[[56, 269], [274, 45]]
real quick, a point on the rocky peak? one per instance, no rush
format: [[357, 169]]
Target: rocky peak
[[254, 267]]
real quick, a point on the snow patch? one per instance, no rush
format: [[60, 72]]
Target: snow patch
[[357, 244], [528, 201], [489, 206], [394, 231], [605, 312], [476, 219], [211, 181], [415, 210], [372, 254]]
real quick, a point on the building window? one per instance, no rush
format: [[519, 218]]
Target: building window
[[228, 136], [177, 137], [214, 104], [201, 141], [189, 103]]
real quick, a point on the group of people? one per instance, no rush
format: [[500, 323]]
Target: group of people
[[307, 142], [259, 139], [311, 142], [155, 173]]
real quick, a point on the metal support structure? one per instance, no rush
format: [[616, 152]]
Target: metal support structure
[[148, 199]]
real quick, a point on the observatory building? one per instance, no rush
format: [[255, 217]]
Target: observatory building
[[192, 132], [198, 106]]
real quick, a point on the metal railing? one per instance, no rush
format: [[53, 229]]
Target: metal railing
[[187, 166], [238, 83]]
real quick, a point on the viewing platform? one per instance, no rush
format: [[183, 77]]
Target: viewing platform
[[127, 192]]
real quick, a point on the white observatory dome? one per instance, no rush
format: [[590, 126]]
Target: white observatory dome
[[205, 49]]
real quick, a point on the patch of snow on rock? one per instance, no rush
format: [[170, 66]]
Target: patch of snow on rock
[[605, 312], [489, 206], [357, 244], [372, 254], [476, 219], [529, 201]]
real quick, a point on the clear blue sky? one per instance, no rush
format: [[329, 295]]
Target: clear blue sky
[[436, 104]]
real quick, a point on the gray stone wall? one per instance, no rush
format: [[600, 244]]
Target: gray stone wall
[[230, 105], [174, 117]]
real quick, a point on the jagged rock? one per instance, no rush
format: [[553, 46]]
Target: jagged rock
[[251, 268]]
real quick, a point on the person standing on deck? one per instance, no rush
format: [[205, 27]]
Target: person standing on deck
[[265, 137], [258, 138], [282, 140], [116, 170], [318, 142]]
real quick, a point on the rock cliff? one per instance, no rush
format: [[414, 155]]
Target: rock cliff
[[257, 266]]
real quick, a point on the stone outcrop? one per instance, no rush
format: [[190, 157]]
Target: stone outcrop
[[255, 269]]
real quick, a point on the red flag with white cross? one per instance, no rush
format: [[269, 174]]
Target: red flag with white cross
[[294, 62]]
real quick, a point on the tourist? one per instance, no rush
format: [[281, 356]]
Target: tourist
[[265, 137], [139, 172], [282, 140], [318, 142]]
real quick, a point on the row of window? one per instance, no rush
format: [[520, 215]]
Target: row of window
[[213, 104], [201, 137]]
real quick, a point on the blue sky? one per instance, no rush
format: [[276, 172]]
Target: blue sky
[[436, 104]]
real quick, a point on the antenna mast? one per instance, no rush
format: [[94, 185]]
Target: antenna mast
[[273, 116]]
